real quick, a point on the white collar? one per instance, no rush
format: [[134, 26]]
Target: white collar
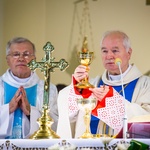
[[118, 77], [9, 78], [22, 80]]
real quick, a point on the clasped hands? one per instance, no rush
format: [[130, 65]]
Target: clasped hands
[[81, 72], [20, 101]]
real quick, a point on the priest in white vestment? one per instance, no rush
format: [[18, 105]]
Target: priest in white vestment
[[21, 93], [107, 90]]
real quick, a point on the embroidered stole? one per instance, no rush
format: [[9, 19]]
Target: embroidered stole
[[128, 88], [9, 92]]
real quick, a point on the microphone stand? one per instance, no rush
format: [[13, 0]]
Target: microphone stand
[[125, 123]]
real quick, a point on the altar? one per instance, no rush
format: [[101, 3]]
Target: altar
[[65, 144]]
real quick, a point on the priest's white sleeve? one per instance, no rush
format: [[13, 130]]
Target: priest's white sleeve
[[134, 109], [31, 125], [6, 121], [63, 128]]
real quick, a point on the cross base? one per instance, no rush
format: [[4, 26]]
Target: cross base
[[44, 132]]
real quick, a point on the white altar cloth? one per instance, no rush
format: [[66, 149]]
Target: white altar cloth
[[44, 144]]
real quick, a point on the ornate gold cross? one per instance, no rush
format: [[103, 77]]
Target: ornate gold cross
[[46, 66]]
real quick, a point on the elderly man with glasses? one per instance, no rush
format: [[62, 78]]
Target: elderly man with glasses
[[21, 96]]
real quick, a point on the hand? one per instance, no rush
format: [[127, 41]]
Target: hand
[[99, 93], [81, 72], [23, 103], [13, 105]]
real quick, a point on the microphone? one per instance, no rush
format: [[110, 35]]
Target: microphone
[[118, 62]]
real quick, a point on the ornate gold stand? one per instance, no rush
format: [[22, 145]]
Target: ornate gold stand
[[47, 65], [87, 134], [44, 131], [87, 105]]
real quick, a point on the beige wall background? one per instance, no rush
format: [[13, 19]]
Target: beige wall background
[[58, 21]]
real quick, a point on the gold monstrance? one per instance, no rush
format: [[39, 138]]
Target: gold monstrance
[[86, 104], [85, 58], [46, 66]]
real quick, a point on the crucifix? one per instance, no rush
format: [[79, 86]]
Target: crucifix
[[46, 66]]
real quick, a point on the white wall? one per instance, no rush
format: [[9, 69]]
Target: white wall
[[1, 38], [52, 20]]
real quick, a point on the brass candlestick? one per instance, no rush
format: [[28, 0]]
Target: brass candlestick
[[46, 66], [85, 58]]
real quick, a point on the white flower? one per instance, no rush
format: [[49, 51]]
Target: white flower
[[121, 146], [62, 147]]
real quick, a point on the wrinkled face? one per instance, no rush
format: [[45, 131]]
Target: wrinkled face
[[19, 56], [112, 47]]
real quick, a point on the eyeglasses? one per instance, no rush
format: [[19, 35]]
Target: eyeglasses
[[25, 55]]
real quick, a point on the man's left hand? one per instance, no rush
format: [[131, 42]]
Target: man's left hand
[[24, 104], [100, 92]]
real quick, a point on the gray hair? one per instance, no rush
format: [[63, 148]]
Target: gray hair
[[18, 40], [126, 40]]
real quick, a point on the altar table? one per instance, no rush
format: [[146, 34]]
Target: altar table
[[46, 144]]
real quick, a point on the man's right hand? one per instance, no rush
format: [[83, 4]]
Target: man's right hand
[[81, 72], [13, 105]]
